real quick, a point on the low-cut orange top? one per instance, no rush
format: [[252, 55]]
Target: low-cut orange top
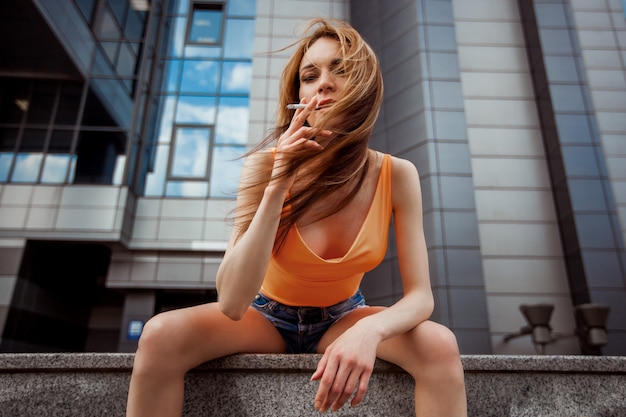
[[297, 276]]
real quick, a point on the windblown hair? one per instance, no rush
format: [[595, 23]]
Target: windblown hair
[[345, 158]]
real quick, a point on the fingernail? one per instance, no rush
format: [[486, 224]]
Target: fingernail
[[317, 405]]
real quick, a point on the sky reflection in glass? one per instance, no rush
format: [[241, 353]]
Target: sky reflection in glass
[[225, 170], [27, 167], [205, 101], [236, 77], [55, 168], [191, 151], [5, 165], [199, 77], [238, 40], [206, 26], [196, 109], [231, 112]]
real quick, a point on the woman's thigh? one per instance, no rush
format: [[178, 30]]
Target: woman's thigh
[[193, 335], [408, 350]]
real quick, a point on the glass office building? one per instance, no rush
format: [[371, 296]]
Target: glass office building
[[122, 123]]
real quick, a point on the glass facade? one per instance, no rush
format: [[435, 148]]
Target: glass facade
[[202, 103], [67, 131]]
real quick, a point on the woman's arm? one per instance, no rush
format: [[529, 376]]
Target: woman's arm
[[245, 262], [350, 358], [417, 303]]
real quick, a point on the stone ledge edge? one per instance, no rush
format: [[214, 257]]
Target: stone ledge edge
[[122, 362]]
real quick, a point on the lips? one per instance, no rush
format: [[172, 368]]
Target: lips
[[324, 103]]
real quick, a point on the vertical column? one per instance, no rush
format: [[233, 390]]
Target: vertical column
[[423, 120], [138, 308], [11, 252]]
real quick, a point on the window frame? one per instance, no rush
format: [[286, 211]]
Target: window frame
[[205, 5], [173, 142]]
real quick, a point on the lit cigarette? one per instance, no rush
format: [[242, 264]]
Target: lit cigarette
[[295, 106]]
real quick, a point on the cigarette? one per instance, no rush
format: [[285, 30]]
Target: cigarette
[[295, 106]]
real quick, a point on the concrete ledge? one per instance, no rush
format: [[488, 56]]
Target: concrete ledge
[[90, 384]]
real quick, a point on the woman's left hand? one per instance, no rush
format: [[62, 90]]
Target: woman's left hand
[[346, 366]]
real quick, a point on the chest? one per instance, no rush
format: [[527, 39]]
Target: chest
[[333, 236]]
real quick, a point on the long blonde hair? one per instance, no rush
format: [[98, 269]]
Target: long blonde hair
[[345, 158]]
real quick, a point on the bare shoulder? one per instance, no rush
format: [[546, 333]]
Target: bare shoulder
[[405, 181], [403, 173]]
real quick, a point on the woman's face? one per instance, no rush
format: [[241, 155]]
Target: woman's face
[[321, 77]]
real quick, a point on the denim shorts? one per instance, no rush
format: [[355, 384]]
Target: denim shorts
[[303, 327]]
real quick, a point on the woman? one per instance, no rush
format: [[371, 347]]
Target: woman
[[312, 216]]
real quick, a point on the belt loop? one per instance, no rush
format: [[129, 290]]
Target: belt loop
[[325, 314]]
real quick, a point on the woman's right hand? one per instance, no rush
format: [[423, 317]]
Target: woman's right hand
[[297, 137]]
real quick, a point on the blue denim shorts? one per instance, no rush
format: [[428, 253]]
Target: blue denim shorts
[[303, 327]]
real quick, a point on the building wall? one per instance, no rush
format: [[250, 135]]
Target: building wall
[[520, 243], [423, 121], [601, 30]]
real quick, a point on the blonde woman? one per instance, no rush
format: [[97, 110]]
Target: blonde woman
[[313, 212]]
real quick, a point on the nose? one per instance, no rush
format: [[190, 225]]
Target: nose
[[326, 82]]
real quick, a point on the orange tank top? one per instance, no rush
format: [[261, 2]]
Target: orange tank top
[[297, 276]]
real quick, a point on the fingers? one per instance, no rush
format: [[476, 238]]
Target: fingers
[[338, 383], [300, 116], [344, 392], [363, 384]]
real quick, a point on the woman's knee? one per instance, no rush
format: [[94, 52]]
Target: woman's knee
[[156, 340], [435, 346]]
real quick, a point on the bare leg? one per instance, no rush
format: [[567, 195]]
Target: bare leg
[[176, 341], [429, 353]]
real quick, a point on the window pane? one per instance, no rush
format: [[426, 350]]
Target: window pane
[[67, 110], [60, 141], [42, 100], [239, 36], [199, 77], [155, 180], [108, 28], [86, 7], [190, 156], [5, 165], [196, 110], [203, 51], [206, 24], [119, 9], [33, 140], [134, 25], [567, 98], [171, 77], [561, 68], [241, 7], [232, 121], [118, 171], [27, 167], [126, 61], [167, 120], [226, 170], [555, 41], [14, 102], [186, 189], [8, 137], [55, 168], [177, 39], [573, 128], [236, 77]]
